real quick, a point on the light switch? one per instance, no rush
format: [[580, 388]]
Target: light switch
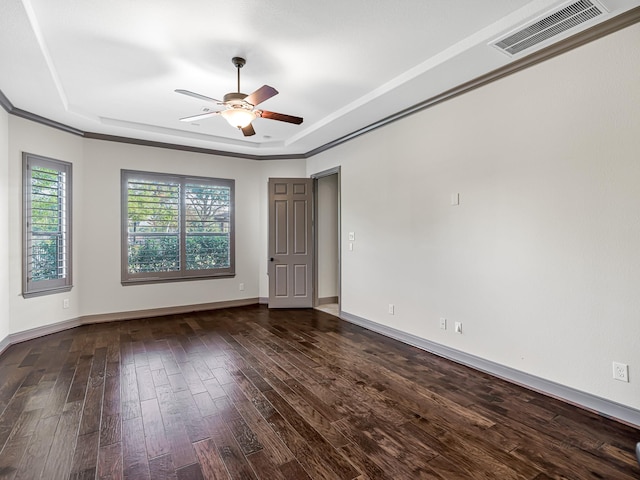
[[350, 247], [455, 199]]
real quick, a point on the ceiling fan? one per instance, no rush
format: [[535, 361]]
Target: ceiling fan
[[239, 108]]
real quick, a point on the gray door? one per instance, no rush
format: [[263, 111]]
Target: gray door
[[290, 243]]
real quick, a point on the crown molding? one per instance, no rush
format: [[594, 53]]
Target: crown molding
[[600, 30], [579, 39], [5, 103], [186, 148], [45, 121]]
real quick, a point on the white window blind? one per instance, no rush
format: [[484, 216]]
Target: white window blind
[[153, 225], [46, 218], [207, 226]]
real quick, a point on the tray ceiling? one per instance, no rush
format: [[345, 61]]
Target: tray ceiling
[[112, 67]]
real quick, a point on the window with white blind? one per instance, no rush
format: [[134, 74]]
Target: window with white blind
[[176, 227], [46, 225]]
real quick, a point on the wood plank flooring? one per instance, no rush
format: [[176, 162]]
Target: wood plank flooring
[[249, 393]]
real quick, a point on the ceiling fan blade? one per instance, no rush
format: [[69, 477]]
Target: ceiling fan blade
[[248, 131], [281, 117], [265, 92], [193, 118], [197, 95]]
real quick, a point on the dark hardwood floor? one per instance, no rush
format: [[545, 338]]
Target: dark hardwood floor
[[249, 393]]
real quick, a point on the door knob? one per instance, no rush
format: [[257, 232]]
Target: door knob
[[272, 259]]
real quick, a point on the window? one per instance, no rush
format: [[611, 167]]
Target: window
[[47, 225], [176, 227]]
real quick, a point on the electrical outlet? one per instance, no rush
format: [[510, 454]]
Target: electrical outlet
[[241, 287], [65, 303], [392, 309], [443, 323], [621, 371], [458, 327]]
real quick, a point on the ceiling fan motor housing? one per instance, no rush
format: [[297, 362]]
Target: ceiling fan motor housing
[[235, 99]]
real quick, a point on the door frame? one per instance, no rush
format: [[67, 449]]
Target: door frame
[[316, 177]]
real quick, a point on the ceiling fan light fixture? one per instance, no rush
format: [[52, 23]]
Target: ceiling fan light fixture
[[238, 117]]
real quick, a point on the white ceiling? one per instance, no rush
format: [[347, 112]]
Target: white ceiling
[[111, 67]]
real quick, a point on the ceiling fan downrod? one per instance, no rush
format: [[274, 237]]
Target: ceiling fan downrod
[[239, 63]]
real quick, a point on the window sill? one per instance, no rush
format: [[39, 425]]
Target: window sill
[[48, 291], [150, 281]]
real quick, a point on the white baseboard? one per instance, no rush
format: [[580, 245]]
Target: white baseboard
[[596, 404], [117, 316]]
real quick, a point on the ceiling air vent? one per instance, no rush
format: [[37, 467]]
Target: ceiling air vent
[[553, 24]]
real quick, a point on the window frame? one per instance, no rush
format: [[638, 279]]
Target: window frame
[[32, 288], [183, 274]]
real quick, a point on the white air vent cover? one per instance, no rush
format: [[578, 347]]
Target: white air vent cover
[[551, 25]]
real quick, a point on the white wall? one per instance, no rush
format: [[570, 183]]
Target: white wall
[[97, 225], [100, 269], [4, 224], [27, 136], [541, 260], [327, 227]]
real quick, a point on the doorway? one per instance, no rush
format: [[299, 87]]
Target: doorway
[[327, 275]]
